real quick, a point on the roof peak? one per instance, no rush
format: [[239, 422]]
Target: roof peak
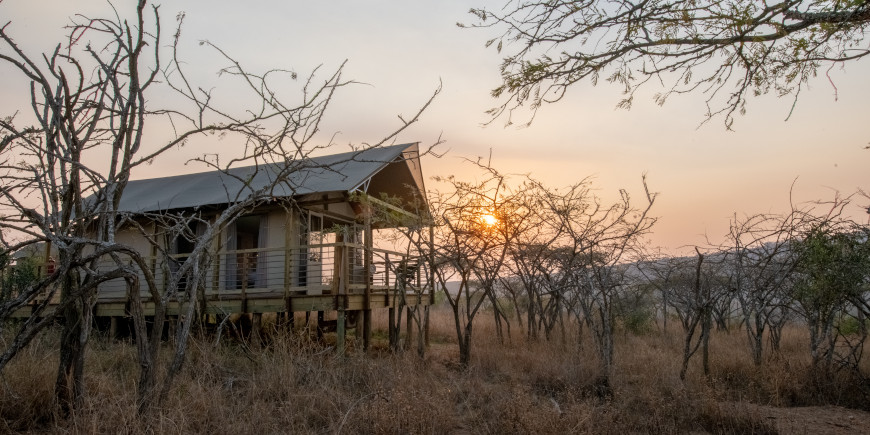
[[325, 173]]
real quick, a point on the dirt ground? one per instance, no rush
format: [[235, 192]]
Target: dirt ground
[[811, 419]]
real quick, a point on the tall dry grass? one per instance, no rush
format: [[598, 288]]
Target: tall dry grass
[[295, 384]]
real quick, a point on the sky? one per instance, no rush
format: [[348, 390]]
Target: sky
[[400, 52]]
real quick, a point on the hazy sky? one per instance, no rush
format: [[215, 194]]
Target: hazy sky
[[402, 50]]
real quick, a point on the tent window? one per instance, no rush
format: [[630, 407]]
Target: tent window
[[183, 244], [246, 260]]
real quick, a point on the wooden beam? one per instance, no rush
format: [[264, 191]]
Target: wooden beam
[[290, 229], [385, 205], [233, 304]]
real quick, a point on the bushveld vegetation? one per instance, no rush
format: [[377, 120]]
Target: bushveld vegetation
[[295, 385], [577, 328], [555, 316]]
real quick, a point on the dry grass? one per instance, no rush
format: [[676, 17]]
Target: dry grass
[[296, 385]]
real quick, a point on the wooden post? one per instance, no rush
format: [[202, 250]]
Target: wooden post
[[153, 253], [172, 327], [320, 322], [113, 327], [340, 330], [256, 324], [242, 269], [341, 300], [392, 328], [337, 265], [391, 314], [290, 320], [431, 281], [43, 269], [217, 245], [367, 301], [409, 328], [289, 230], [46, 259]]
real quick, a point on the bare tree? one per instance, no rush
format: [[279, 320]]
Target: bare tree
[[761, 263], [89, 103], [659, 273], [87, 100], [596, 246], [694, 285], [469, 246], [534, 263]]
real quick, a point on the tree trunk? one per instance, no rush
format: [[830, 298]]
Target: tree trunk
[[145, 387], [687, 353], [69, 386], [706, 327], [497, 316], [665, 311], [421, 330], [465, 347], [530, 320]]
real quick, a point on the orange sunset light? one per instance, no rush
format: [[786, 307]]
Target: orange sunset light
[[489, 220]]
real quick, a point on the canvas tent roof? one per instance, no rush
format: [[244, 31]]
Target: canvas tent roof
[[344, 172]]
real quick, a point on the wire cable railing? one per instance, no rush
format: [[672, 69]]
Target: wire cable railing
[[316, 269]]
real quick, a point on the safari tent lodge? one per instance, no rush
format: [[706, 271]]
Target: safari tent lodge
[[307, 247]]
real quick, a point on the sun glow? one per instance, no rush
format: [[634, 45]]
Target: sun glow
[[489, 220]]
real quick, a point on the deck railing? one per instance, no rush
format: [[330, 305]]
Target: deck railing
[[333, 268]]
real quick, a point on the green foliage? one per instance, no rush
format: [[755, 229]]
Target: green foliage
[[834, 266], [850, 325], [635, 311], [440, 298], [638, 321], [14, 278]]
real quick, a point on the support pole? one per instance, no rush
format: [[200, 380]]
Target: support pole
[[391, 302], [340, 331], [392, 329], [113, 327], [369, 277], [46, 260], [256, 326], [431, 282], [409, 329], [320, 322], [341, 300]]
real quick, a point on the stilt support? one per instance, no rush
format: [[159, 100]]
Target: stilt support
[[340, 332]]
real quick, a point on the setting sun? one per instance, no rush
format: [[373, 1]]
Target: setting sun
[[489, 220]]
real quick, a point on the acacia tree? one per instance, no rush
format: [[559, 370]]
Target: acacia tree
[[696, 285], [65, 166], [535, 266], [535, 263], [660, 273], [469, 247], [512, 218], [761, 262], [596, 245], [833, 286], [727, 50]]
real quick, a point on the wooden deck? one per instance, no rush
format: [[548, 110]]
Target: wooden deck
[[260, 303], [284, 280]]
